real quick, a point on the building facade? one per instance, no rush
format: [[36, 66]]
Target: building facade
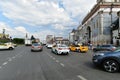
[[98, 24], [49, 38], [73, 36]]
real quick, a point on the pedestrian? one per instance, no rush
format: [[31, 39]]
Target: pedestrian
[[90, 45]]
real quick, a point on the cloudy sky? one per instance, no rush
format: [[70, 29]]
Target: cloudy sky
[[42, 17]]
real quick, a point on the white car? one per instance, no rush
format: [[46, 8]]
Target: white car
[[49, 46], [6, 46], [60, 49]]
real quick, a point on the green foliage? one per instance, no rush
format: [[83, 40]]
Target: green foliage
[[18, 40], [4, 40]]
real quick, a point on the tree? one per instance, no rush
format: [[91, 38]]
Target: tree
[[32, 37], [18, 40]]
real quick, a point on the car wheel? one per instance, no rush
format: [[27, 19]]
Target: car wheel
[[79, 50], [56, 51], [10, 48], [110, 66]]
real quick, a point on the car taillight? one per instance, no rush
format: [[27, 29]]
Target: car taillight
[[113, 48], [59, 48], [32, 46]]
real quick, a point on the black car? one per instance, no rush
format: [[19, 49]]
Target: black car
[[107, 47], [109, 61]]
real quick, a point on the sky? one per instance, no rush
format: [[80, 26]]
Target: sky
[[42, 17]]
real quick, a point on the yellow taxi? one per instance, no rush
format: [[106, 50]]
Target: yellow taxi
[[74, 47], [79, 48], [83, 48]]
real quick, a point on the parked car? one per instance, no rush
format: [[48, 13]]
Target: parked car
[[36, 47], [108, 47], [60, 49], [79, 48], [109, 61], [6, 46]]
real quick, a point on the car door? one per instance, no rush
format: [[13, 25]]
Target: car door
[[53, 48], [3, 46]]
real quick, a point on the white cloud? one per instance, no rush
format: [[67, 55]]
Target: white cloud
[[78, 8], [59, 27], [21, 29], [34, 13], [61, 14], [17, 32]]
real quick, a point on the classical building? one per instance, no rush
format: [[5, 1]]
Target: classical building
[[97, 26], [73, 36], [61, 40]]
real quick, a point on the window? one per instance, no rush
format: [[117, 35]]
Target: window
[[109, 0], [118, 0]]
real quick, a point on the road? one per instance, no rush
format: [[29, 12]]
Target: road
[[22, 64]]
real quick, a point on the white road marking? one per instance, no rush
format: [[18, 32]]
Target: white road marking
[[62, 64], [53, 58], [4, 63], [81, 77], [57, 61], [0, 67]]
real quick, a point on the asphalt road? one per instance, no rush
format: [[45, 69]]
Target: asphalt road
[[22, 64]]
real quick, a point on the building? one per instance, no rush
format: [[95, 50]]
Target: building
[[49, 39], [61, 40], [116, 30], [98, 23], [73, 36]]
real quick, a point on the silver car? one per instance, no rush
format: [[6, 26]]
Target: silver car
[[36, 47]]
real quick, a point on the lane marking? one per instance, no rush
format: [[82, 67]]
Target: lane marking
[[62, 64], [0, 67], [57, 61], [4, 63], [53, 58], [81, 77]]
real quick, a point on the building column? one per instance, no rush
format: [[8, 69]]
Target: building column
[[118, 13]]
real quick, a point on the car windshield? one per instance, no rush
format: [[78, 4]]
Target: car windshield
[[117, 50], [36, 44], [62, 46], [105, 45]]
